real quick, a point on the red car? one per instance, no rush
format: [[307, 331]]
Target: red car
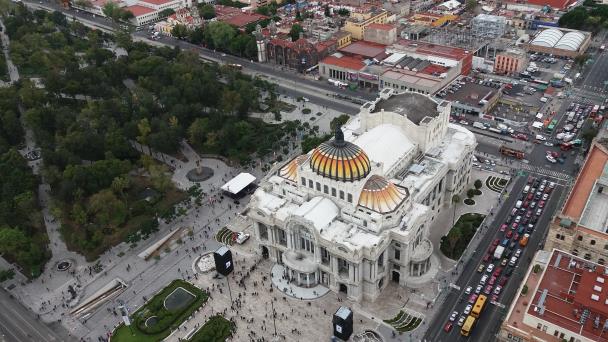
[[503, 281], [487, 257], [492, 281], [541, 204], [497, 272], [526, 204], [473, 298], [515, 237], [448, 327], [496, 242], [491, 249], [530, 196], [488, 289], [503, 227], [509, 234]]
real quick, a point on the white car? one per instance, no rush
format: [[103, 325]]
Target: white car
[[453, 316], [478, 289], [468, 290], [461, 320], [540, 137], [241, 238], [497, 290], [551, 159], [490, 268], [467, 310]]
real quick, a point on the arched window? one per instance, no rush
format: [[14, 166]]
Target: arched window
[[587, 256], [575, 252], [601, 261], [592, 242], [579, 238]]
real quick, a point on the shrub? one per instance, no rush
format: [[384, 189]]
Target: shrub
[[478, 184], [524, 290], [537, 268], [471, 193], [306, 111]]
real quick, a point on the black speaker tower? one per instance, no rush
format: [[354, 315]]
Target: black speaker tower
[[343, 323], [223, 261]]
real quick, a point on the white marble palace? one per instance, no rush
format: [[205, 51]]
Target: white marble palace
[[354, 213]]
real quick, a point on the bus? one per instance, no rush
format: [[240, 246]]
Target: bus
[[539, 81], [510, 151], [479, 305], [468, 325], [551, 126]]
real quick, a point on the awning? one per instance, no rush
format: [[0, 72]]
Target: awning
[[238, 183]]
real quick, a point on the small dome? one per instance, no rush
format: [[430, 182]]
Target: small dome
[[290, 170], [382, 196], [340, 160]]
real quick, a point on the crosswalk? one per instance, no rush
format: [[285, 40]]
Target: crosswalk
[[545, 172]]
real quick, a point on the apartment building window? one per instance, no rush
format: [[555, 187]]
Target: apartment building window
[[318, 186], [263, 231], [592, 242], [326, 189], [303, 181], [333, 192], [601, 261], [310, 184], [397, 254], [350, 198], [341, 194], [587, 256]]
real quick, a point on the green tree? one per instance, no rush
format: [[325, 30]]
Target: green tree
[[574, 19], [453, 238], [144, 129], [119, 185], [524, 290], [343, 12], [295, 31], [338, 121], [107, 209], [165, 13], [471, 193], [470, 5], [159, 178], [196, 36], [180, 31], [197, 132], [478, 184], [206, 11], [219, 34]]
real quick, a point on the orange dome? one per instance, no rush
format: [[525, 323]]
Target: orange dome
[[290, 170], [340, 160], [381, 196]]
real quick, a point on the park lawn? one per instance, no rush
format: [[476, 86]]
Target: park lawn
[[135, 334], [216, 329], [458, 238], [74, 235]]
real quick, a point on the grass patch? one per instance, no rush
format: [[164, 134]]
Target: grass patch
[[457, 240], [140, 221], [404, 322], [217, 329], [166, 320]]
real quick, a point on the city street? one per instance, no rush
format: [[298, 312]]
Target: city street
[[493, 314]]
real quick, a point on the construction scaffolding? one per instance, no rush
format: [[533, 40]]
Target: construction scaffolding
[[490, 26]]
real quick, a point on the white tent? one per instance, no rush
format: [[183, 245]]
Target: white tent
[[238, 183]]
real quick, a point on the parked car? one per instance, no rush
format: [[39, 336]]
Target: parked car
[[453, 316], [497, 290], [448, 326], [468, 309], [468, 290]]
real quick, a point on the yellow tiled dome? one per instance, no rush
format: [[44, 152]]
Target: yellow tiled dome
[[340, 160], [381, 196]]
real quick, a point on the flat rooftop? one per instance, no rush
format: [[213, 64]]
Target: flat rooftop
[[471, 93], [414, 106], [569, 288]]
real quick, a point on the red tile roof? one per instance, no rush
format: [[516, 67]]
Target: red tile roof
[[243, 19], [364, 49], [384, 27], [560, 4], [591, 171], [156, 2], [138, 10], [569, 286], [345, 62]]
